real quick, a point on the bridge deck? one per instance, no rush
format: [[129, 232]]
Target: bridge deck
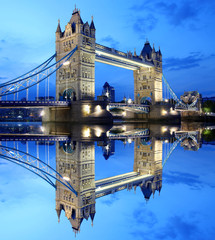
[[119, 59], [120, 177], [120, 185], [17, 104]]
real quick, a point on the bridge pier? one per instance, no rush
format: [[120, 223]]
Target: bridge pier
[[85, 111]]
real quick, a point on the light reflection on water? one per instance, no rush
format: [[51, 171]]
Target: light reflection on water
[[131, 181]]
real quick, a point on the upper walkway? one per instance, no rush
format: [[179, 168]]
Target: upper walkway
[[120, 59]]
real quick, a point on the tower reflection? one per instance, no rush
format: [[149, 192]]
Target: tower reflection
[[75, 161], [76, 187]]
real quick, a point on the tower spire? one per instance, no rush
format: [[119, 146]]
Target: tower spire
[[58, 27]]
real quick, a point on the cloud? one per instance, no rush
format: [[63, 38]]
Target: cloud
[[112, 42], [178, 13], [145, 24], [191, 180], [191, 61], [178, 227], [145, 217], [3, 163], [109, 201]]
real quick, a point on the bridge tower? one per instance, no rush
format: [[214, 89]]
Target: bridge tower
[[76, 79], [148, 81], [148, 160], [75, 161]]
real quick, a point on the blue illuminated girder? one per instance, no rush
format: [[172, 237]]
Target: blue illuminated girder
[[33, 77], [34, 165]]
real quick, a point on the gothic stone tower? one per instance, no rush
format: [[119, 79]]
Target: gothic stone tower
[[75, 161], [76, 79], [148, 81], [148, 160]]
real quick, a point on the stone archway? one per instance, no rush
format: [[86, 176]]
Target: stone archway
[[69, 95]]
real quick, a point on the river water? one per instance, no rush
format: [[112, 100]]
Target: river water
[[121, 182]]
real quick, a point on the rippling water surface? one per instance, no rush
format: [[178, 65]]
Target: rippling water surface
[[124, 182]]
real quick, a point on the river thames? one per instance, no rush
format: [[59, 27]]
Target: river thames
[[131, 181]]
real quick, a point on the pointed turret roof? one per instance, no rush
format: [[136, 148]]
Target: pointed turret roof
[[58, 214], [159, 51], [58, 27], [147, 49], [92, 215], [92, 26], [76, 223], [76, 17], [147, 191]]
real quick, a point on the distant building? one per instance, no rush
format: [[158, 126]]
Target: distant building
[[208, 99], [109, 92], [109, 149]]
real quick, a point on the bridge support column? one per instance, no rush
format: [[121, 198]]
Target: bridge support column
[[75, 161], [148, 160], [148, 81], [85, 111], [76, 79]]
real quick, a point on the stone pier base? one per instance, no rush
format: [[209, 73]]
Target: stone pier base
[[85, 111]]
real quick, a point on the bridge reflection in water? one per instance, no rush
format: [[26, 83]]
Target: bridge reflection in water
[[74, 173]]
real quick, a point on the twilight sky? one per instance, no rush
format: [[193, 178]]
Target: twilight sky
[[183, 29], [183, 210]]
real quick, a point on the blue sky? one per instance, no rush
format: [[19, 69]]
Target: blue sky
[[183, 29], [184, 209]]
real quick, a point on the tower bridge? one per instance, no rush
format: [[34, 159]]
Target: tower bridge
[[76, 54], [74, 174]]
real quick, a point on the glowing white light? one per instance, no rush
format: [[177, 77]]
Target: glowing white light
[[42, 128], [129, 140], [129, 101], [166, 141], [173, 129], [164, 129], [87, 109], [173, 112], [163, 112], [66, 178], [98, 132], [42, 113], [124, 128], [86, 132], [66, 63], [98, 108], [124, 113], [166, 100]]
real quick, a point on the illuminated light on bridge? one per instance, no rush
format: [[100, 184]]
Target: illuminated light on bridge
[[86, 132], [98, 108], [75, 80], [86, 109], [72, 167], [164, 112]]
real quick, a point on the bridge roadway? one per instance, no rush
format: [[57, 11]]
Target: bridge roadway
[[138, 108], [35, 104], [131, 107], [119, 59], [30, 137], [115, 184], [110, 180], [130, 134]]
